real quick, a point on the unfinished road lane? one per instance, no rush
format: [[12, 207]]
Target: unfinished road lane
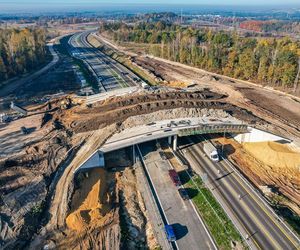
[[189, 230], [263, 228]]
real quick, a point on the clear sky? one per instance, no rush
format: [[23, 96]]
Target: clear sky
[[25, 5]]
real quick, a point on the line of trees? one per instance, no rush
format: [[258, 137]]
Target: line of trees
[[275, 62], [21, 50]]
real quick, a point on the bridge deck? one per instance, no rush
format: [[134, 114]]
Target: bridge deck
[[166, 128]]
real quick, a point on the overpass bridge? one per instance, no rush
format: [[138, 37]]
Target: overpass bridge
[[171, 129]]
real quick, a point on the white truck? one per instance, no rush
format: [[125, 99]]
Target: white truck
[[211, 151]]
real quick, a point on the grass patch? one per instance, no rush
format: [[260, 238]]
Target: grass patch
[[90, 79], [215, 218], [121, 58], [38, 209], [63, 49]]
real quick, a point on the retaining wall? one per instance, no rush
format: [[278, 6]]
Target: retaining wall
[[257, 135]]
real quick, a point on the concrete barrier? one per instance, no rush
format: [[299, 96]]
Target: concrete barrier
[[257, 135], [95, 161]]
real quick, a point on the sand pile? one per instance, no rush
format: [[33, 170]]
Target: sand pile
[[177, 84], [274, 154], [91, 201]]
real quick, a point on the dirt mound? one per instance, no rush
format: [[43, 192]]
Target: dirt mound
[[172, 114], [107, 236], [274, 154], [91, 201], [89, 119]]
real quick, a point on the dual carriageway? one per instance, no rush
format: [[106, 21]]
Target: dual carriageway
[[109, 74], [250, 213], [252, 216]]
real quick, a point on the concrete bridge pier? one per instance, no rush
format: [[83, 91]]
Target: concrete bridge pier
[[170, 140], [175, 143], [133, 154]]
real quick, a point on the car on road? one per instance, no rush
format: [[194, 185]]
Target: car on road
[[174, 177], [170, 233], [183, 193]]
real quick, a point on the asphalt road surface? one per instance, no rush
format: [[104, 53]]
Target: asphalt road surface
[[109, 73], [189, 230], [262, 228]]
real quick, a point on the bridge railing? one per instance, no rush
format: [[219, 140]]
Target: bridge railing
[[214, 128]]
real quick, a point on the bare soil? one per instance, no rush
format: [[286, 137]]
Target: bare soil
[[137, 230], [118, 110], [92, 200], [38, 189]]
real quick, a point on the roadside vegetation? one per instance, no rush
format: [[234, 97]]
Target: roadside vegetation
[[21, 50], [90, 79], [215, 218], [270, 61], [124, 60], [277, 202], [128, 64]]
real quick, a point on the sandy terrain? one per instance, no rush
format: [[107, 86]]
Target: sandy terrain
[[91, 201], [274, 154]]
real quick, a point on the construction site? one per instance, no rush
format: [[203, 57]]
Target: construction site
[[46, 203]]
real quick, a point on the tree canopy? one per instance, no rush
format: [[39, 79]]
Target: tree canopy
[[265, 60], [21, 50]]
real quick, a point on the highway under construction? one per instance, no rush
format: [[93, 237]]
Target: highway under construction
[[102, 167]]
